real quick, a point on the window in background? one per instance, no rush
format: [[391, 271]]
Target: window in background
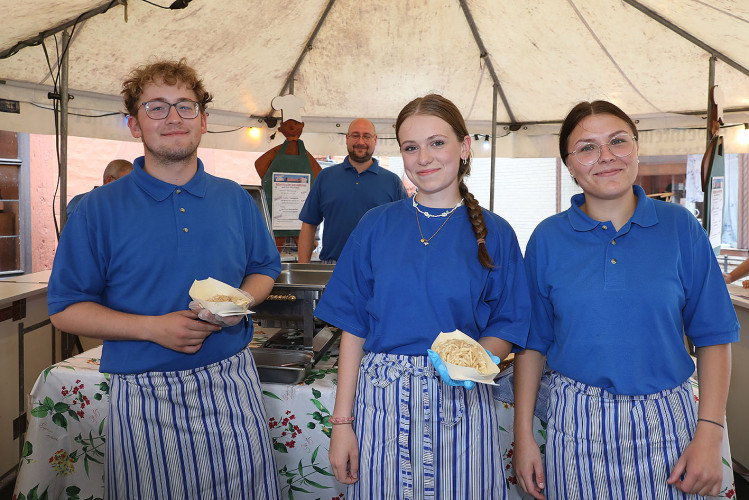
[[666, 178], [730, 236], [528, 190], [10, 223]]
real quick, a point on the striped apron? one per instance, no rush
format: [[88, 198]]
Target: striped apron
[[606, 446], [193, 434], [422, 439]]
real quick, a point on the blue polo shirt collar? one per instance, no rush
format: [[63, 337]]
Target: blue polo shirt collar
[[644, 216], [374, 167], [160, 190]]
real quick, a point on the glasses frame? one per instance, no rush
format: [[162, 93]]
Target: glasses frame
[[362, 137], [196, 104], [600, 148]]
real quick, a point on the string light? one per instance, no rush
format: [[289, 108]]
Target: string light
[[254, 133]]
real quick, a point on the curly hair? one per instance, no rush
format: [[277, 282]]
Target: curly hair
[[436, 105], [170, 72]]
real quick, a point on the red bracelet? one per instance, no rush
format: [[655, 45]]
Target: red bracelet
[[340, 420]]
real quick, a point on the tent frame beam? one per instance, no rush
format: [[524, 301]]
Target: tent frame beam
[[726, 111], [289, 83], [484, 54], [497, 92], [696, 41], [38, 39]]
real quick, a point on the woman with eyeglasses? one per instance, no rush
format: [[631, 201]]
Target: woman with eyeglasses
[[616, 281]]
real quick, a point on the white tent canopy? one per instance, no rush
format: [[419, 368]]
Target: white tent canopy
[[351, 58]]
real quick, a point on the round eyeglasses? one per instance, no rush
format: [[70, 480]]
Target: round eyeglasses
[[158, 110], [620, 146]]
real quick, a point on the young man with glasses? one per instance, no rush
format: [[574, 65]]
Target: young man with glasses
[[343, 193], [186, 415]]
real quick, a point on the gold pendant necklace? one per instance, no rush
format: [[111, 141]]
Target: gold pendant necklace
[[426, 241]]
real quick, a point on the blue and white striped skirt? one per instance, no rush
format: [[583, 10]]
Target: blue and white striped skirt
[[422, 439], [606, 446], [194, 434]]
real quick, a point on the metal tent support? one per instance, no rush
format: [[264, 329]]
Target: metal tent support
[[289, 84], [685, 34], [494, 148], [63, 130], [498, 92]]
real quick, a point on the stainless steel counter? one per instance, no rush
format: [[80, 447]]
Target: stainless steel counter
[[292, 301]]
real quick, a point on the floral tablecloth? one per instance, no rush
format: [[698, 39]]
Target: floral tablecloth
[[63, 456]]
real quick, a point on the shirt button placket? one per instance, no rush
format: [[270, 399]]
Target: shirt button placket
[[182, 210]]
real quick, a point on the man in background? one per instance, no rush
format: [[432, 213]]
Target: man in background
[[343, 193], [115, 169]]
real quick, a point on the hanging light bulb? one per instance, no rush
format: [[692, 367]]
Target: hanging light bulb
[[487, 145], [254, 133], [743, 135]]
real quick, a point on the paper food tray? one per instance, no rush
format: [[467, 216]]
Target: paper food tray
[[458, 372], [203, 290]]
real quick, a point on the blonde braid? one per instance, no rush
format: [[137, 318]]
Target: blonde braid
[[476, 217]]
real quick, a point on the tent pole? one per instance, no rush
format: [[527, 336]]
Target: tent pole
[[494, 147], [64, 130], [289, 84], [67, 340], [710, 85], [485, 56], [706, 194]]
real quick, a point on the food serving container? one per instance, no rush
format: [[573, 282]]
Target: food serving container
[[281, 366], [292, 302]]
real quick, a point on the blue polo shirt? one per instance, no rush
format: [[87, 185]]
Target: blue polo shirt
[[73, 203], [399, 294], [341, 195], [137, 244], [610, 308]]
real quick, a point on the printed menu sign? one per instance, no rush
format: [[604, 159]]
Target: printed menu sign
[[289, 193]]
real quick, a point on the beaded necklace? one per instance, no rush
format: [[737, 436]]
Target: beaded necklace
[[447, 214]]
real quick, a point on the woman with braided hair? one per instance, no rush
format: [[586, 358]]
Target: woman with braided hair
[[436, 262]]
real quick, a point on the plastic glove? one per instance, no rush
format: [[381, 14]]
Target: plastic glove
[[442, 371], [495, 359], [222, 321]]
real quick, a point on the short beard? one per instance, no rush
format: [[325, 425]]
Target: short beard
[[359, 159], [171, 156]]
